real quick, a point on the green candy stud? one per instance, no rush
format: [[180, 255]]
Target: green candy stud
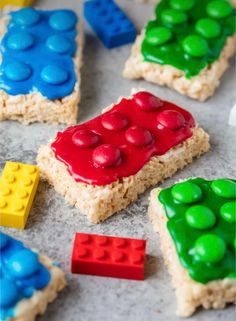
[[186, 192], [218, 9], [182, 4], [208, 28], [158, 36], [200, 217], [173, 17], [210, 248], [224, 187], [228, 211], [195, 46], [231, 275]]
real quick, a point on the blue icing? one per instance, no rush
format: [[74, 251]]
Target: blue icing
[[37, 53], [21, 274]]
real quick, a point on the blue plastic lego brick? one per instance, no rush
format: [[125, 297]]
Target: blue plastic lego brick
[[109, 22]]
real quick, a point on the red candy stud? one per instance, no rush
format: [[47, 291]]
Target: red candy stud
[[138, 136], [106, 155], [170, 119], [115, 121], [85, 138], [147, 102]]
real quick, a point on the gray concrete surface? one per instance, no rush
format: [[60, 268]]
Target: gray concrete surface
[[52, 223]]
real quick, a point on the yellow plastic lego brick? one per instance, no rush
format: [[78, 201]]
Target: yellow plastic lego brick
[[18, 185], [19, 3]]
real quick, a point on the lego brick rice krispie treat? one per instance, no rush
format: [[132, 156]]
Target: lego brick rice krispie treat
[[186, 46], [40, 55], [101, 166], [196, 224], [29, 281]]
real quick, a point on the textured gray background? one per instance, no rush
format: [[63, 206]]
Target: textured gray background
[[52, 223]]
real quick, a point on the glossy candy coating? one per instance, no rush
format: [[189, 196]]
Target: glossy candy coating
[[195, 31], [202, 227], [37, 52], [121, 141], [158, 36], [21, 275]]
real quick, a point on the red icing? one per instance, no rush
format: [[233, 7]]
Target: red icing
[[120, 142]]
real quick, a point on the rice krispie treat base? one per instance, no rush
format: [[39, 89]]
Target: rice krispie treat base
[[28, 309], [190, 294], [34, 107], [198, 87]]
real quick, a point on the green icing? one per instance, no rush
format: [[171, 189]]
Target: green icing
[[201, 221], [188, 35]]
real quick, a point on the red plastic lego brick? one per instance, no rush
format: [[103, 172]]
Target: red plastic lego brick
[[108, 256]]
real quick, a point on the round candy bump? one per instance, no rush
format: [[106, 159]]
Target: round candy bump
[[23, 264], [59, 44], [182, 4], [147, 102], [173, 17], [186, 192], [170, 119], [208, 28], [17, 71], [200, 217], [26, 17], [84, 138], [210, 248], [9, 292], [3, 203], [114, 121], [195, 46], [138, 136], [63, 20], [218, 9], [158, 36], [228, 211], [54, 75], [3, 240], [224, 188], [20, 41], [106, 155]]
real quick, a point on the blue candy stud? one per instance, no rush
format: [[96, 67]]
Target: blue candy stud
[[26, 17], [63, 20], [17, 71], [54, 75]]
